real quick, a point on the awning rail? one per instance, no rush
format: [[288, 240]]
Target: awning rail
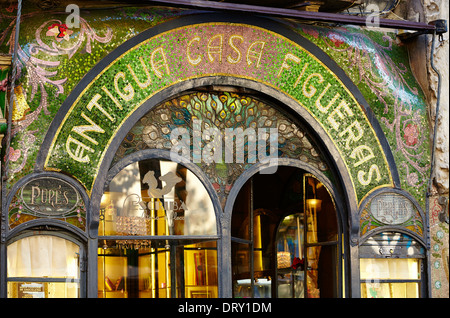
[[303, 15]]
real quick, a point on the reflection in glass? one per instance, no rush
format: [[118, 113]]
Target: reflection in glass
[[290, 257], [164, 269], [156, 197], [151, 199]]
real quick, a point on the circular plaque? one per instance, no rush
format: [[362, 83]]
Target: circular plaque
[[391, 208]]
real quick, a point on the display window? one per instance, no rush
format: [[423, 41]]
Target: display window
[[391, 266], [165, 269], [44, 266], [157, 234], [156, 197], [287, 244]]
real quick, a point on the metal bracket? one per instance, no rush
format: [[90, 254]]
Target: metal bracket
[[440, 27]]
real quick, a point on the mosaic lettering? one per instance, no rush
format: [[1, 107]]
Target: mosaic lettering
[[206, 50]]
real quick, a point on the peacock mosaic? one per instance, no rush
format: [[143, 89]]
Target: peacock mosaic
[[222, 110]]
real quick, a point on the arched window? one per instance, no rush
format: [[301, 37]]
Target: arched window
[[46, 265], [285, 237], [157, 234], [392, 266]]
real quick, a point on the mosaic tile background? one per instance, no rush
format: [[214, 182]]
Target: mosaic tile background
[[50, 66], [378, 64], [161, 61], [54, 60]]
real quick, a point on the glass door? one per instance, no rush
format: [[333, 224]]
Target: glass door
[[285, 238], [44, 266]]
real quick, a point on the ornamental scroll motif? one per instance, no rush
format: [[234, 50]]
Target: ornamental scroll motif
[[47, 197], [391, 209]]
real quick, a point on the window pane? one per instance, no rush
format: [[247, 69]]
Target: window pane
[[43, 256], [390, 256], [290, 240], [263, 260], [290, 257], [399, 268], [320, 212], [201, 270], [157, 269], [390, 290], [242, 287], [156, 197]]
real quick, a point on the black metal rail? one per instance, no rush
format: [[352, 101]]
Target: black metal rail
[[295, 14]]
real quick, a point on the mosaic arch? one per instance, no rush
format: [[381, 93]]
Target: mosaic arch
[[179, 55], [223, 111]]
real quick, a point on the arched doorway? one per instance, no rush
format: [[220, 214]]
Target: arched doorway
[[162, 248], [286, 237]]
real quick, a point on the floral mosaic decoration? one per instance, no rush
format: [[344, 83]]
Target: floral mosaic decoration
[[53, 58], [377, 64]]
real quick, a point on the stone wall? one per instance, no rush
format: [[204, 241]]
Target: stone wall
[[427, 11]]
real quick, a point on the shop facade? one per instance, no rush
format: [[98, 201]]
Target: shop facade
[[162, 152]]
